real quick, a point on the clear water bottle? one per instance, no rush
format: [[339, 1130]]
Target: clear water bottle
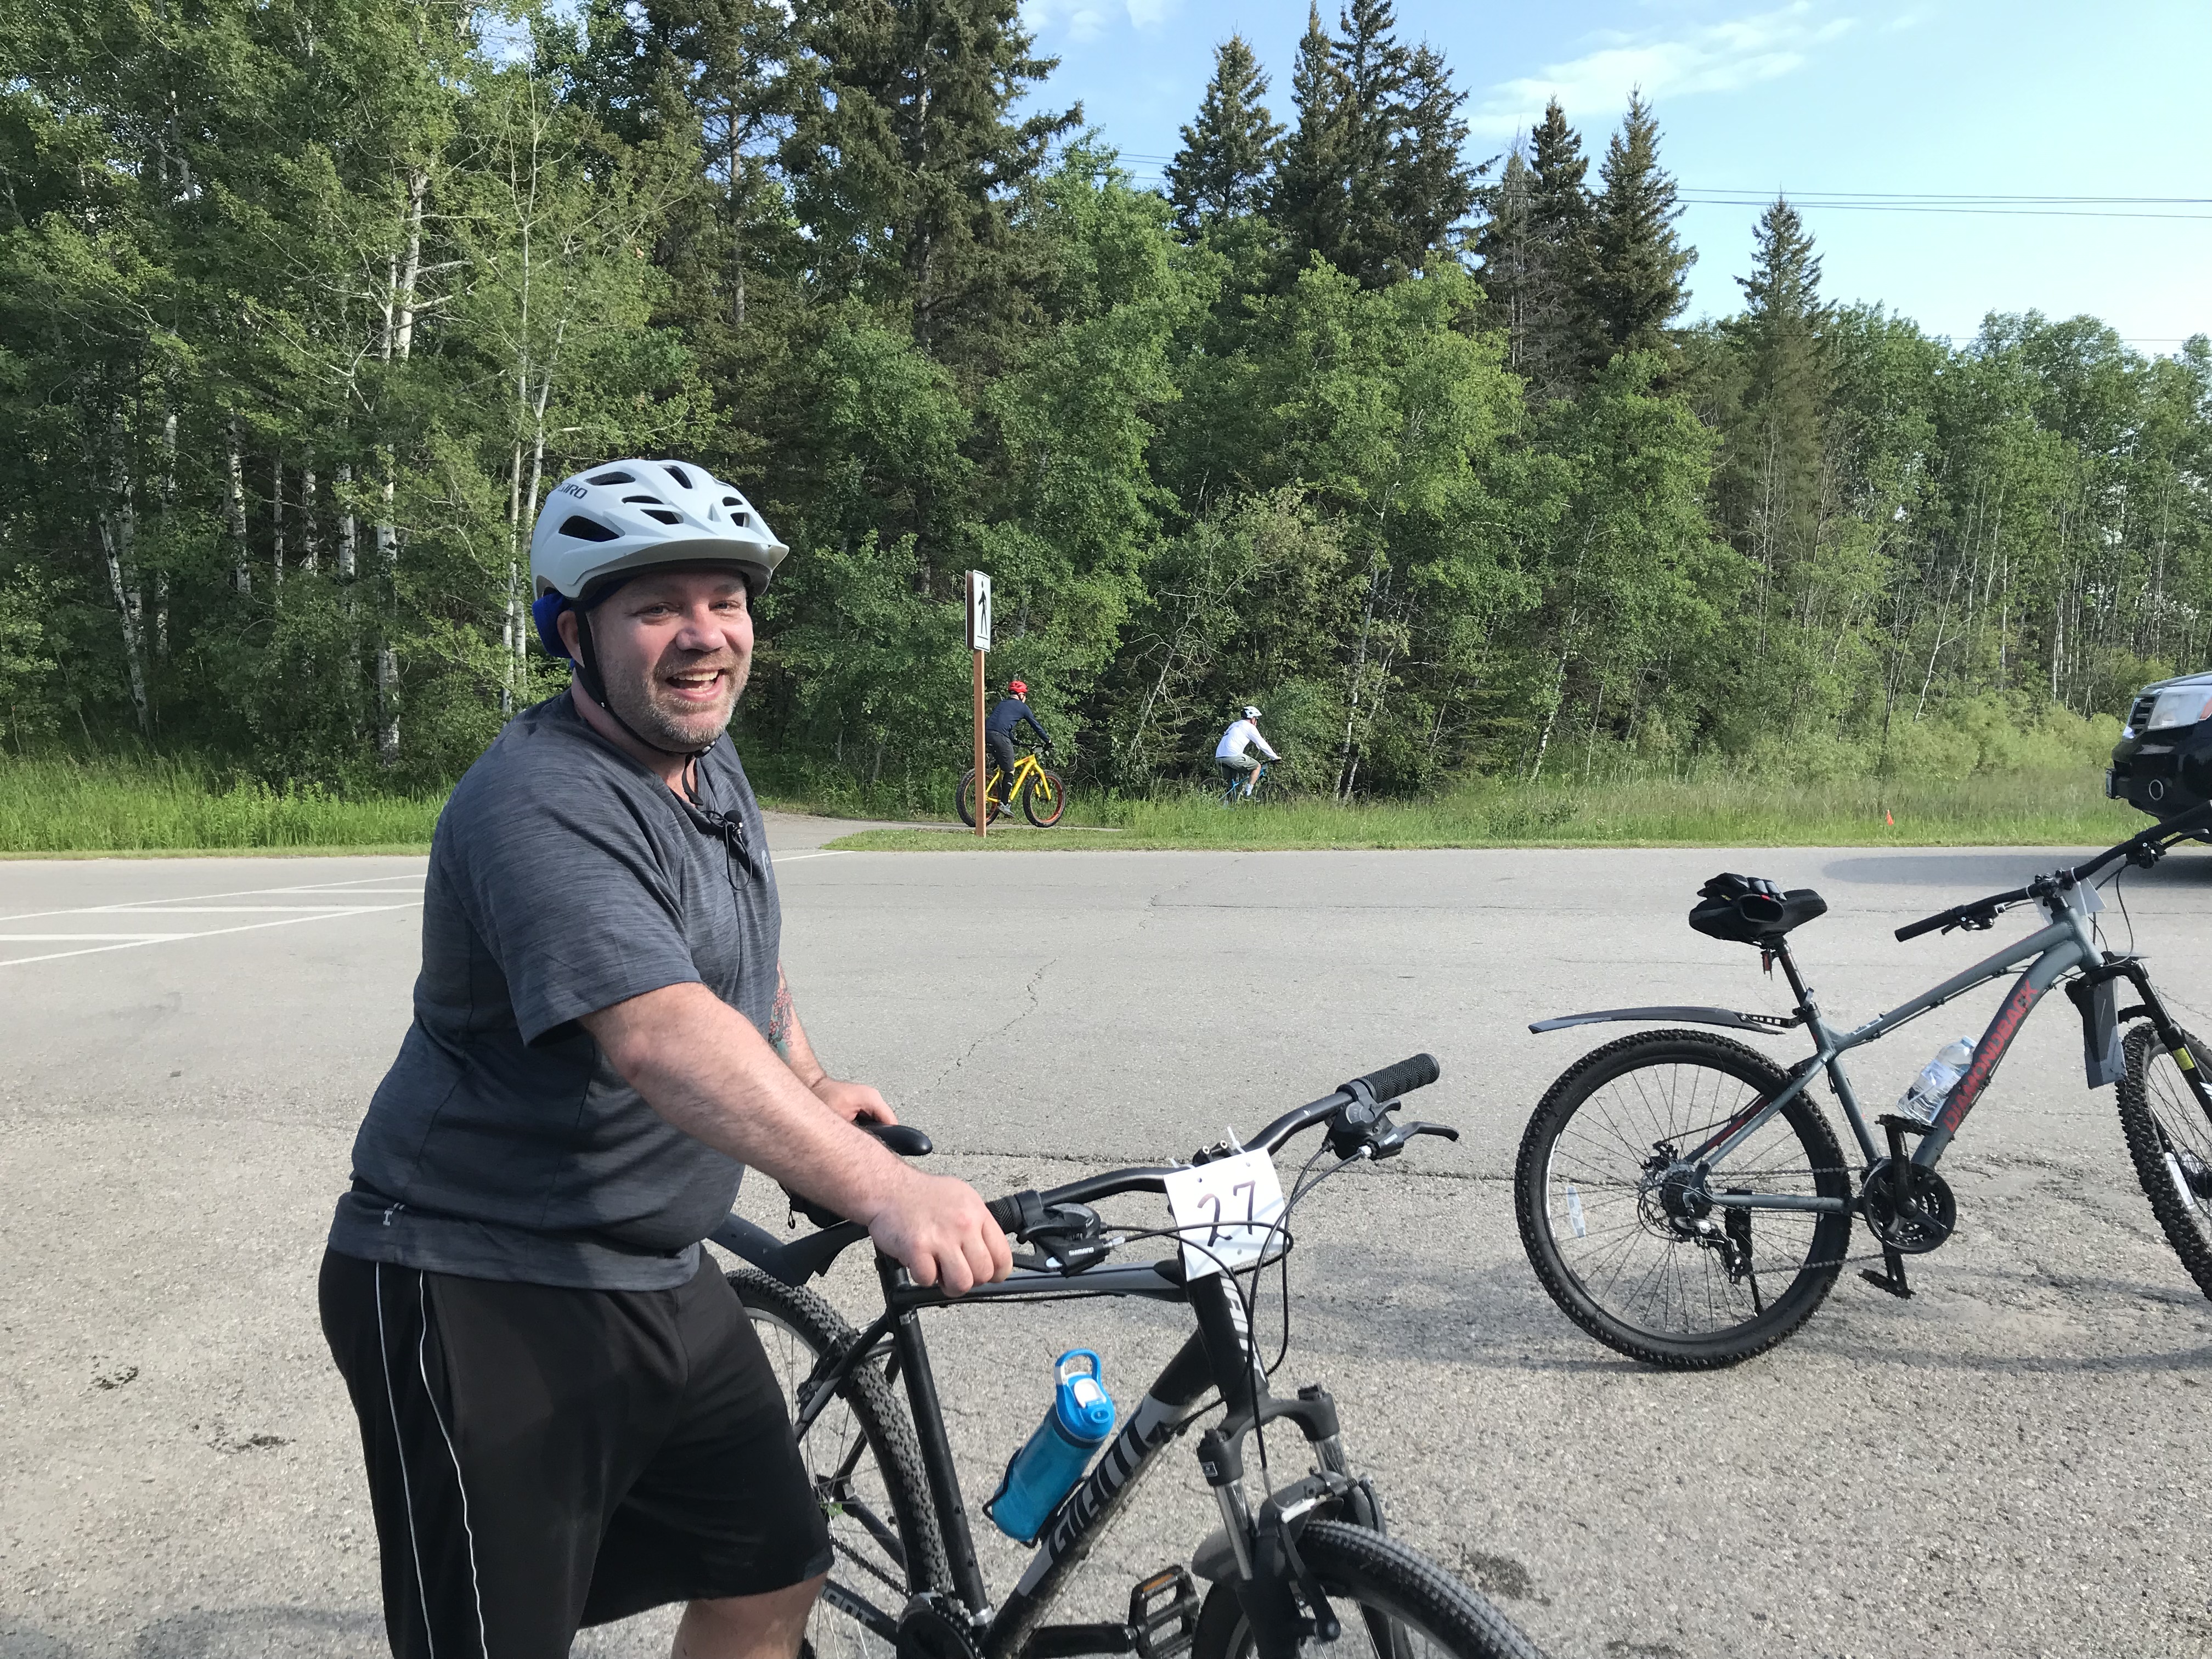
[[1050, 1462], [1932, 1086]]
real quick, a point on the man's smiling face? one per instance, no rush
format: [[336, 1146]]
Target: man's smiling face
[[674, 649]]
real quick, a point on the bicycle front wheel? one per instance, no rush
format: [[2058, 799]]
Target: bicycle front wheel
[[865, 1465], [1632, 1264], [1394, 1602], [2170, 1139], [1045, 800]]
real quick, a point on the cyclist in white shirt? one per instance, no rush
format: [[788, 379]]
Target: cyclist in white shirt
[[1231, 754]]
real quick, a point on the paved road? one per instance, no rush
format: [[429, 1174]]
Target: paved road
[[2012, 1463]]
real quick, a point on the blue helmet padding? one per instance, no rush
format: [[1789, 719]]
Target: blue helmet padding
[[545, 611]]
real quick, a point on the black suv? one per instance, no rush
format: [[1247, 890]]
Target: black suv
[[2167, 722]]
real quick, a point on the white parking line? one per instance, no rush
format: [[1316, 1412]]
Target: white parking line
[[328, 901]]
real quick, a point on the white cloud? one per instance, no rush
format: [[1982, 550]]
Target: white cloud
[[1716, 57], [1086, 19]]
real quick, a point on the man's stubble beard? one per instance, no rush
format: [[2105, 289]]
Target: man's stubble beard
[[669, 728]]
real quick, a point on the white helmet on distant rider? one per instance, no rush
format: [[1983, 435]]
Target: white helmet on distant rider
[[1251, 713]]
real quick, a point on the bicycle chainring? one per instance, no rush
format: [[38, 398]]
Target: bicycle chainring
[[1927, 1218]]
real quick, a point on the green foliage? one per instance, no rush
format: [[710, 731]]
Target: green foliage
[[1228, 151], [305, 307]]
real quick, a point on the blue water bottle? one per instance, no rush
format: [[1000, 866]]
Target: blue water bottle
[[1050, 1462]]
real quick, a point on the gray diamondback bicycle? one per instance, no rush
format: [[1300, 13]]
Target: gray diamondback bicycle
[[1312, 1562], [1684, 1200]]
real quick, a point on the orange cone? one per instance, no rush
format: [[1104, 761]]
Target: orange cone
[[1887, 819]]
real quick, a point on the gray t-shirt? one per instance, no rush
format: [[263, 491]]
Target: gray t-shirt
[[564, 877]]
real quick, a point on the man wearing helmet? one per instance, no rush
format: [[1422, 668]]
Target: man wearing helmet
[[1006, 715], [1231, 755], [566, 1414]]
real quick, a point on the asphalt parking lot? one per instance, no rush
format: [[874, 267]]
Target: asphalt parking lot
[[2012, 1463]]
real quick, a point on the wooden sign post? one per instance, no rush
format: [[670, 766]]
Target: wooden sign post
[[979, 641]]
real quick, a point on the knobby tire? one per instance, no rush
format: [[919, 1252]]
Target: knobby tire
[[1414, 1609], [1628, 1089], [883, 1530], [1046, 813], [2170, 1139], [966, 802]]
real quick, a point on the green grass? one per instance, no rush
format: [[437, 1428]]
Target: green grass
[[65, 807], [2012, 809]]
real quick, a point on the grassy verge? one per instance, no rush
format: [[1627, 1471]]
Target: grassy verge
[[50, 808], [2019, 809]]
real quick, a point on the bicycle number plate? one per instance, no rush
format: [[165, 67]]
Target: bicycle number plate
[[1224, 1211]]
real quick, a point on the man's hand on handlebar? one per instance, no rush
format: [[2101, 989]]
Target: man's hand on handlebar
[[940, 1231]]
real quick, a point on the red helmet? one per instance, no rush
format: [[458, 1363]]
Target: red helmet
[[1017, 688]]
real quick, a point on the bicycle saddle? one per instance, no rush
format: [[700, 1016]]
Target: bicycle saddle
[[1752, 910], [900, 1138]]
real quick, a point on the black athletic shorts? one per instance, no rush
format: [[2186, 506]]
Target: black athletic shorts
[[541, 1459]]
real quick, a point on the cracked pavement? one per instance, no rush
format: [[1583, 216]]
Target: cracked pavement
[[2011, 1463]]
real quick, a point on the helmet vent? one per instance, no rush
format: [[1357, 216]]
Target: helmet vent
[[663, 515], [683, 482], [611, 478], [587, 529], [649, 501]]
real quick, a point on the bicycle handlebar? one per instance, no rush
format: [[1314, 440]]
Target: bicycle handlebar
[[1981, 912], [1020, 1213]]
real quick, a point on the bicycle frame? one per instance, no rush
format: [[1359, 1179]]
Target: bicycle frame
[[2063, 946], [1218, 1356]]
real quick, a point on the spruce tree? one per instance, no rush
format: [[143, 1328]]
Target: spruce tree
[[1638, 263], [1432, 188], [1221, 170], [1390, 132], [1506, 247], [905, 158], [1308, 202], [1770, 477], [1557, 299]]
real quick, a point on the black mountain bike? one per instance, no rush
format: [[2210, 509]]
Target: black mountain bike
[[1684, 1200], [1312, 1562]]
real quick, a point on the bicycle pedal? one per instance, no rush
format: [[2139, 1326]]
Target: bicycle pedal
[[1164, 1614]]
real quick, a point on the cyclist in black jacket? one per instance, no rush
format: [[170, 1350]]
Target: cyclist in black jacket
[[998, 729]]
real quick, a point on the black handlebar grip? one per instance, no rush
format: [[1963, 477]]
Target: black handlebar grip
[[1414, 1071], [1925, 924], [1018, 1213]]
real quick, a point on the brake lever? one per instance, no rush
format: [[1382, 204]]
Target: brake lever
[[1393, 1141]]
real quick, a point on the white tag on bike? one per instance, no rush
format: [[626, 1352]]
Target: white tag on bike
[[1224, 1212]]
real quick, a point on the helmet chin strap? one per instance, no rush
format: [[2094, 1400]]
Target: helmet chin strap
[[594, 684]]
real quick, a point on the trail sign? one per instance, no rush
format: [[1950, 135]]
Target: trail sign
[[979, 641], [979, 611]]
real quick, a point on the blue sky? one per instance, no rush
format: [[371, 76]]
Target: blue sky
[[1903, 98]]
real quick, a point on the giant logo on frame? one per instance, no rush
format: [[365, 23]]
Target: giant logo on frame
[[1987, 1053]]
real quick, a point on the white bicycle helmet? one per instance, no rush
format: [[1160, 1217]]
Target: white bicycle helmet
[[1251, 713], [623, 517]]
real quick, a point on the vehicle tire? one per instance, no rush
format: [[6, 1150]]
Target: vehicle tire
[[1592, 1221], [967, 803], [1408, 1606], [866, 1468], [1046, 813], [2171, 1141]]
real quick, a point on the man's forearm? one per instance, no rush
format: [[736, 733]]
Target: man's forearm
[[701, 1065], [789, 1036]]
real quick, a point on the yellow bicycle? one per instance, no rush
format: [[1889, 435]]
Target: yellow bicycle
[[1042, 795]]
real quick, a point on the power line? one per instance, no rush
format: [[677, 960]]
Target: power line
[[1850, 201]]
